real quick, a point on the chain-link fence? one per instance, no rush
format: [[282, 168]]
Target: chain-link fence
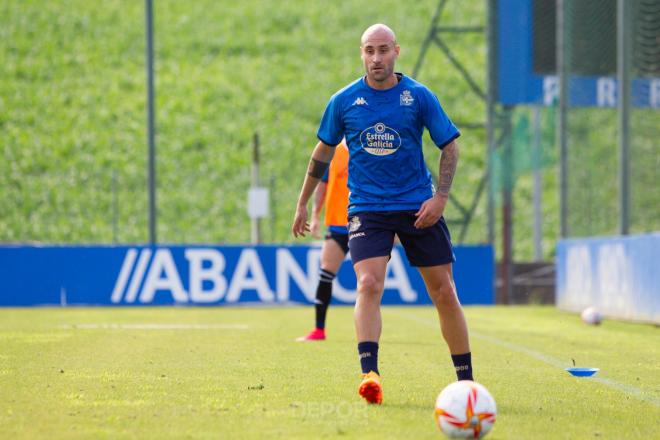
[[596, 192], [526, 165], [645, 124], [604, 185]]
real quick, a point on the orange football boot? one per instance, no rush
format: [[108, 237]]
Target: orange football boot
[[370, 388]]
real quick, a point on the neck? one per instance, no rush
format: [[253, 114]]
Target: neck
[[385, 84]]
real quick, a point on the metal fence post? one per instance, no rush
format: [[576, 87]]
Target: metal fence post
[[255, 222], [490, 128], [151, 120], [538, 186], [562, 126], [623, 104]]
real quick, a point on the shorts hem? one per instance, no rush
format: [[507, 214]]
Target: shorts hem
[[354, 260], [339, 238], [441, 263]]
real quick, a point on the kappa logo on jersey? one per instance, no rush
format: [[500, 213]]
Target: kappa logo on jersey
[[380, 140], [354, 224], [360, 101], [406, 98]]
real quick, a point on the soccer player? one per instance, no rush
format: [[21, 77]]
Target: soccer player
[[382, 115], [333, 193]]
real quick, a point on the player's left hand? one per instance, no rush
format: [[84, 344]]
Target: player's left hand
[[300, 225], [430, 211]]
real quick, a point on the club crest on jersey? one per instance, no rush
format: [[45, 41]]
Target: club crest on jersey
[[380, 140], [406, 98], [354, 224]]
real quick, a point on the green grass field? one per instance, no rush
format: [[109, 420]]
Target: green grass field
[[72, 109], [236, 373], [73, 152], [72, 112]]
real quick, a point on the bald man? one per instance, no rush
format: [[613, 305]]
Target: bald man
[[382, 115]]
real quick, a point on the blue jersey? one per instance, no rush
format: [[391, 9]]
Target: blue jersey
[[383, 130]]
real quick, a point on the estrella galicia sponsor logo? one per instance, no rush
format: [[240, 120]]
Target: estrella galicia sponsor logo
[[406, 98], [380, 140], [354, 224]]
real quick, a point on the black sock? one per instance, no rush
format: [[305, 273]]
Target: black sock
[[368, 356], [463, 365], [323, 295]]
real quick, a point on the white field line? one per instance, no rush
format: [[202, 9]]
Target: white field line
[[156, 326], [550, 360]]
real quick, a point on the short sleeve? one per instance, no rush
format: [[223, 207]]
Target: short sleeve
[[331, 130], [441, 128]]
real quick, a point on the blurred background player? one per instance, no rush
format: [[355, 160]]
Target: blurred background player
[[333, 193]]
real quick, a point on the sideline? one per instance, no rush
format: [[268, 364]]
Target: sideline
[[155, 326], [550, 360]]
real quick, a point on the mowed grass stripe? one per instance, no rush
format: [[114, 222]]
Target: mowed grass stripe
[[534, 394], [164, 326], [557, 363]]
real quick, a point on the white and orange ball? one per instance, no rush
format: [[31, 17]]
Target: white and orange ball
[[465, 409]]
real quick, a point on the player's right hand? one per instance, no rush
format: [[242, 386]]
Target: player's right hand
[[300, 225]]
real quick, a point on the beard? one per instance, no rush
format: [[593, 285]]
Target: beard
[[380, 75]]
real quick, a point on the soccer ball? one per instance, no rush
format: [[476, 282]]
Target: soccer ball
[[465, 409], [591, 316]]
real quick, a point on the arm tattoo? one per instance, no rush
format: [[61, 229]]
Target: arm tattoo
[[448, 162], [317, 168]]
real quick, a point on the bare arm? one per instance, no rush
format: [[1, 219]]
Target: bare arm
[[448, 162], [432, 209], [318, 164], [317, 207]]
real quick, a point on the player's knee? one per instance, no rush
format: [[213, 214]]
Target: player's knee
[[444, 295], [368, 284]]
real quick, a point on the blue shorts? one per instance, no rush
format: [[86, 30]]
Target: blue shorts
[[371, 234], [340, 238]]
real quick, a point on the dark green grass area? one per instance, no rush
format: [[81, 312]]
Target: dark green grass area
[[237, 373], [73, 123]]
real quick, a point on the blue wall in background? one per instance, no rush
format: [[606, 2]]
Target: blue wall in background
[[619, 275]]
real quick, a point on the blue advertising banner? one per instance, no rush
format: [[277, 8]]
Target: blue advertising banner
[[620, 276], [211, 275]]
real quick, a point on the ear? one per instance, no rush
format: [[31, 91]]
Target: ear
[[397, 49]]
